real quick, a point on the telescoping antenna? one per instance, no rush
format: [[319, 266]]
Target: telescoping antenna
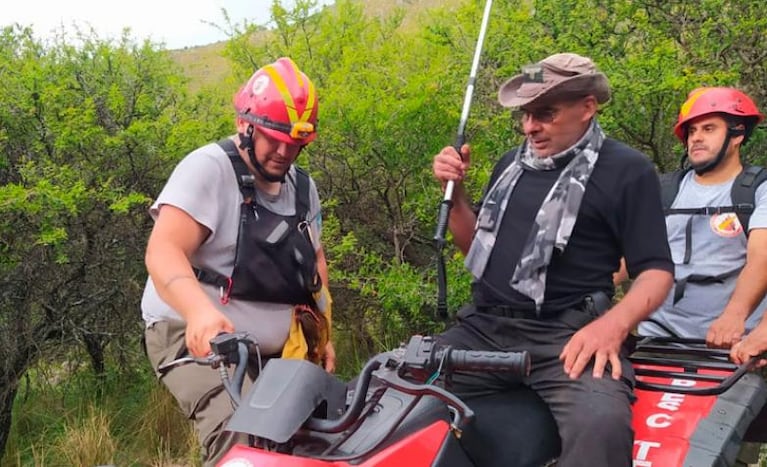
[[447, 201]]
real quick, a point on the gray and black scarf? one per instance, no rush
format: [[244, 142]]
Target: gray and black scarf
[[555, 219]]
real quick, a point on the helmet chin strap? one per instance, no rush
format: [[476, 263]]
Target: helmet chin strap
[[708, 166], [248, 144], [705, 167]]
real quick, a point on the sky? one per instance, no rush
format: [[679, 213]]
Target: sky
[[177, 23]]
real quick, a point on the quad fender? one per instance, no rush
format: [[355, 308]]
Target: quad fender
[[431, 446], [676, 429]]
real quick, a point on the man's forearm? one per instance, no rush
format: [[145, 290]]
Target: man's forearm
[[462, 219], [751, 285], [646, 294], [749, 290]]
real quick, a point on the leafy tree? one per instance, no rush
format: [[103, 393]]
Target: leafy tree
[[391, 97], [87, 134]]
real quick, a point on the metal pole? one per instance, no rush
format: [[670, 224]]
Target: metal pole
[[447, 201]]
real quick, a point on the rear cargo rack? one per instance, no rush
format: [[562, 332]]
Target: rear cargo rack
[[684, 360]]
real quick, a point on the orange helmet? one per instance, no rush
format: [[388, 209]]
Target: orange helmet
[[280, 100], [728, 101]]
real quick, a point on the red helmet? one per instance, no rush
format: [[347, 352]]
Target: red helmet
[[729, 101], [280, 100]]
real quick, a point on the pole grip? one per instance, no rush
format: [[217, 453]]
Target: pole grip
[[443, 218]]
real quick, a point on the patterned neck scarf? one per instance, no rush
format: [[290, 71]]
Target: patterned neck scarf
[[555, 219]]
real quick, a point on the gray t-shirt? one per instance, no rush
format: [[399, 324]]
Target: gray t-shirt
[[204, 185], [718, 247]]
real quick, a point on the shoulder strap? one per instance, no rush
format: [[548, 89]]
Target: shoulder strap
[[246, 181], [743, 192], [669, 186], [244, 177], [302, 193]]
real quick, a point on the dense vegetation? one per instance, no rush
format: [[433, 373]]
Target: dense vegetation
[[89, 130]]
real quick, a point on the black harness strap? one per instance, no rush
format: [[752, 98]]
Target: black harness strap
[[744, 192], [302, 193], [688, 241], [246, 182], [711, 210], [743, 195], [669, 187], [681, 284], [245, 179]]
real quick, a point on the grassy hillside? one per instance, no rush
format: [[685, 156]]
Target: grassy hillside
[[205, 65]]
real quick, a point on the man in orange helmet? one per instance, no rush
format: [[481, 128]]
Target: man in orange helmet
[[236, 246], [716, 208]]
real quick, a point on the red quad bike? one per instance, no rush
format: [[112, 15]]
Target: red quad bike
[[694, 408]]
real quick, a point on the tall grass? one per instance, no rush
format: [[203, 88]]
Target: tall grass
[[86, 441], [128, 419], [163, 433]]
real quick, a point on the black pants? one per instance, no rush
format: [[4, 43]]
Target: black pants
[[593, 415]]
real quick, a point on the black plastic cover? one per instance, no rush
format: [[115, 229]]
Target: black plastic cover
[[284, 396]]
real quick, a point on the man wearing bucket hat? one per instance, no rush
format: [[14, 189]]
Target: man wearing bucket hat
[[558, 214]]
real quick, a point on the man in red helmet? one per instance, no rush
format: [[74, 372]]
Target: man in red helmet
[[236, 247], [718, 241]]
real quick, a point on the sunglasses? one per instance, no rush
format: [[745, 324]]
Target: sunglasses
[[545, 114], [542, 115]]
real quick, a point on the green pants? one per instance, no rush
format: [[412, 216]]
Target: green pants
[[197, 388]]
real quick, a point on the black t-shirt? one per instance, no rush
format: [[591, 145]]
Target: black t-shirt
[[620, 216]]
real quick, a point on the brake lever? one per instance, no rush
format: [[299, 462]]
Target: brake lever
[[211, 360]]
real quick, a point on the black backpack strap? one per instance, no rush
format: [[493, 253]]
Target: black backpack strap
[[743, 192], [302, 194], [669, 187], [245, 181], [244, 178], [302, 209], [681, 284]]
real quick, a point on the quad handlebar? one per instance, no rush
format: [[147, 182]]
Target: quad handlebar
[[226, 349], [423, 353], [410, 369], [422, 359]]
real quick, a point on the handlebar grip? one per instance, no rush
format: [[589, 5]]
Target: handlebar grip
[[475, 360]]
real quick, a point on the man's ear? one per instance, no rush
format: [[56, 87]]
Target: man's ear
[[590, 106], [241, 124], [738, 135]]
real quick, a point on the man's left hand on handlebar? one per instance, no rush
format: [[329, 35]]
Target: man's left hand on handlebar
[[601, 340], [204, 326]]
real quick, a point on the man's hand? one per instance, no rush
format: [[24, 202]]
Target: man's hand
[[602, 340], [725, 331], [204, 326], [449, 165], [754, 344], [330, 358]]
